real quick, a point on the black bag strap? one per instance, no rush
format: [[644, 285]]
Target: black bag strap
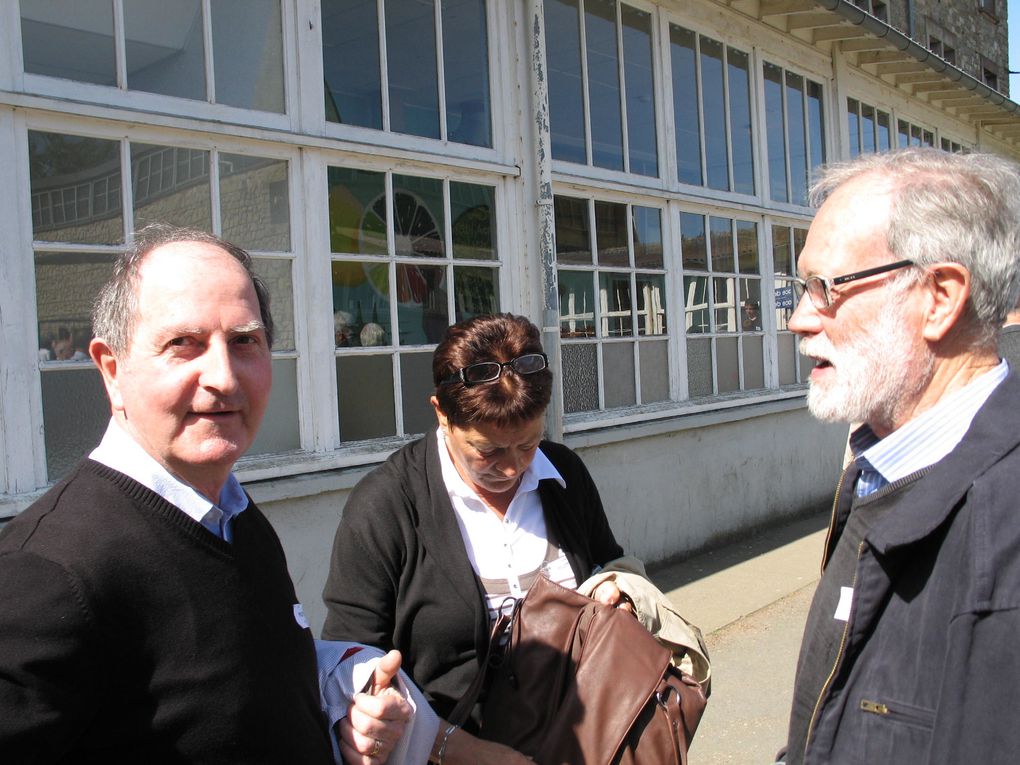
[[467, 702]]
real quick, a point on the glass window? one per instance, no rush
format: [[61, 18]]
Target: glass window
[[868, 127], [405, 53], [164, 47], [595, 39], [401, 274], [787, 243], [796, 133], [77, 184], [612, 303], [712, 112], [909, 134], [722, 306]]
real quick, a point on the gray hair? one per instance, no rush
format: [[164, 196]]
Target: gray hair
[[115, 310], [957, 208]]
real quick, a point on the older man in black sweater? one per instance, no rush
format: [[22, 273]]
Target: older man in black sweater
[[146, 612]]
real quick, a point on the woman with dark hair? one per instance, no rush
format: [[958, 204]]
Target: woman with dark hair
[[454, 527]]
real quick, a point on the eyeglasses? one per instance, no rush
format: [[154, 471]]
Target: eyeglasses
[[490, 371], [819, 288]]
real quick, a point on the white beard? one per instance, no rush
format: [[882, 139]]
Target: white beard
[[877, 375]]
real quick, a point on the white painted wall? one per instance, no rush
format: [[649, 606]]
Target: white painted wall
[[666, 495]]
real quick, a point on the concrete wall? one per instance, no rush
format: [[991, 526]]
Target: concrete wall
[[726, 479]]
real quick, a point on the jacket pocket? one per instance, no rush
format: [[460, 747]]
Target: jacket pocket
[[895, 731]]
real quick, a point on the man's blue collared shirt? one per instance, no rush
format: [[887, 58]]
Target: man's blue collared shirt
[[119, 451], [924, 440]]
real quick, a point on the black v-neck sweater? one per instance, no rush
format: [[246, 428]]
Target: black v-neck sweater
[[129, 633]]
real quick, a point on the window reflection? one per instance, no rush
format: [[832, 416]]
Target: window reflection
[[637, 53], [566, 103], [165, 52], [686, 105], [73, 41], [413, 78], [350, 61], [465, 67], [615, 305], [603, 84], [170, 184], [714, 114], [577, 304]]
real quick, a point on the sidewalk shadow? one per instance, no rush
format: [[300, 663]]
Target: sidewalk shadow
[[678, 571]]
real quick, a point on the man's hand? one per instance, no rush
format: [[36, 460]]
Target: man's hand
[[376, 719]]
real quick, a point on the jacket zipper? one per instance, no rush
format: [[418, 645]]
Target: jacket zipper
[[832, 519], [839, 655]]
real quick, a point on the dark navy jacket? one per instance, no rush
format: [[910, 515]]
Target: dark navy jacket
[[929, 673]]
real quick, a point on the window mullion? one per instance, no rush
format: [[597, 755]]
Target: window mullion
[[207, 41], [384, 86], [120, 44], [624, 127], [586, 104], [440, 68]]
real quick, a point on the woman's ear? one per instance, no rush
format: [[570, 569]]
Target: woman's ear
[[444, 423]]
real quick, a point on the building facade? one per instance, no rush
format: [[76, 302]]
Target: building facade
[[630, 175]]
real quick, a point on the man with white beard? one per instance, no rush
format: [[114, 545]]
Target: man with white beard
[[909, 653]]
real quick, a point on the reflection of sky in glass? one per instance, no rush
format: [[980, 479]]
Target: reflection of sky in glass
[[685, 105], [603, 84], [713, 93], [413, 79], [566, 107], [637, 55]]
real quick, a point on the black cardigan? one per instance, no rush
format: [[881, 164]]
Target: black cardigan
[[400, 575], [129, 633]]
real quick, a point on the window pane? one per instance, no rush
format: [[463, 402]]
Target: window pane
[[740, 121], [74, 41], [904, 134], [418, 216], [782, 257], [884, 132], [699, 367], [580, 377], [747, 246], [365, 397], [350, 61], [692, 241], [647, 237], [618, 363], [728, 375], [65, 286], [411, 68], [164, 47], [787, 358], [577, 304], [357, 211], [686, 105], [76, 189], [722, 244], [775, 128], [170, 184], [361, 297], [248, 53], [573, 237], [754, 368], [615, 304], [637, 57], [415, 388], [466, 71], [422, 310], [473, 211], [476, 291], [797, 138], [867, 128], [696, 304], [611, 234], [750, 305], [276, 273], [816, 130], [603, 84], [255, 202], [724, 292], [853, 121], [566, 105], [279, 431], [651, 304], [654, 372], [712, 93], [75, 415]]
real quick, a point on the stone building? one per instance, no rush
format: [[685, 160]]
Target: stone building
[[630, 174]]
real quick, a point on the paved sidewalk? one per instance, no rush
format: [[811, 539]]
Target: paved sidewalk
[[750, 599]]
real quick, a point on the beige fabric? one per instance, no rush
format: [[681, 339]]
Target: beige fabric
[[657, 614]]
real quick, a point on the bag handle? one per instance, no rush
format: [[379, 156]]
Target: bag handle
[[463, 708]]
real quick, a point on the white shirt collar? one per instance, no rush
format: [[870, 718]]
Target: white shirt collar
[[121, 452]]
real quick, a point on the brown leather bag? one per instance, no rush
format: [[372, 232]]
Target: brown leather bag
[[580, 683]]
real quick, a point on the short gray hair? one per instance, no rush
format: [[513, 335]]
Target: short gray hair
[[115, 310], [957, 208]]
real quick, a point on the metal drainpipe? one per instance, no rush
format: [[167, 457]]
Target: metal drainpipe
[[855, 15], [544, 215]]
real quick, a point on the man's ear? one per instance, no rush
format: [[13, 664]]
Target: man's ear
[[106, 361], [949, 290]]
